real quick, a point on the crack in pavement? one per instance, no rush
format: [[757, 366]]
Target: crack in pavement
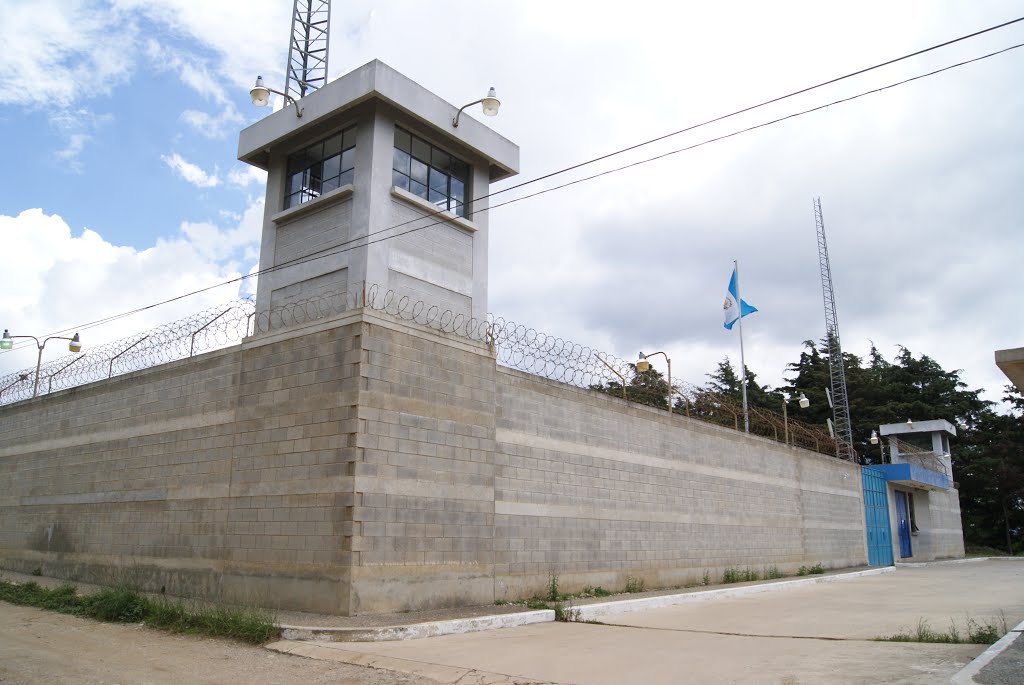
[[730, 634]]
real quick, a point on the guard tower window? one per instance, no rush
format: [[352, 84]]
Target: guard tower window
[[429, 172], [320, 168]]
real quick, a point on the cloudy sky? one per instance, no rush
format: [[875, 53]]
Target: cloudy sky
[[120, 188]]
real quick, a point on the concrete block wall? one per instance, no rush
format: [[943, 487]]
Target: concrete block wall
[[222, 476], [424, 482], [366, 465], [597, 490]]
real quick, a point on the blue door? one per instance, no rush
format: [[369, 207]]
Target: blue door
[[876, 517], [903, 524]]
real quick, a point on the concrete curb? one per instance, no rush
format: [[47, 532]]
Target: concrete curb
[[416, 631], [914, 564], [590, 612], [585, 612], [966, 675]]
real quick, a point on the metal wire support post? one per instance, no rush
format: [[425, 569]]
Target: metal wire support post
[[110, 369], [308, 47], [840, 402], [192, 345], [49, 386], [612, 369], [22, 377]]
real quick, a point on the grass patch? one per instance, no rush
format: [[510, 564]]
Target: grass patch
[[737, 575], [589, 591], [124, 605], [974, 633], [817, 569], [633, 585], [772, 572]]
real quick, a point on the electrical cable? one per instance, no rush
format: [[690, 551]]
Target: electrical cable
[[335, 249]]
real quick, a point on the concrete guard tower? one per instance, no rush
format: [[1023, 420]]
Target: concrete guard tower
[[921, 492], [370, 183]]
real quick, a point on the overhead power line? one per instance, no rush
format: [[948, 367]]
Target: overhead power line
[[364, 241]]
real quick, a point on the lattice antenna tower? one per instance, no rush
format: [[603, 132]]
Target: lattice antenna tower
[[840, 401], [308, 47]]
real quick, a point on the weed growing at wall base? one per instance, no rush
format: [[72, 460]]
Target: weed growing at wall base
[[976, 633], [735, 575], [124, 605]]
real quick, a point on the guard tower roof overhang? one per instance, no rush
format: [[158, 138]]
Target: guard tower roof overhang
[[933, 426], [376, 81], [1011, 362]]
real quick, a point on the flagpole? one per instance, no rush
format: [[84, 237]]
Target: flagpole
[[743, 363]]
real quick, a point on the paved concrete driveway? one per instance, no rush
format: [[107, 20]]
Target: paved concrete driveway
[[807, 635]]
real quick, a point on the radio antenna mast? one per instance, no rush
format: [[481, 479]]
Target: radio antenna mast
[[840, 402], [307, 48]]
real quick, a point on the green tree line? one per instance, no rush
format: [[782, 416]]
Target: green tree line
[[988, 453]]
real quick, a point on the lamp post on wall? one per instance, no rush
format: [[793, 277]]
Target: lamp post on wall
[[802, 401], [7, 342], [260, 95], [642, 365], [875, 440], [490, 104]]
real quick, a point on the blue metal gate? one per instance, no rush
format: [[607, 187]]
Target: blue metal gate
[[903, 524], [876, 517]]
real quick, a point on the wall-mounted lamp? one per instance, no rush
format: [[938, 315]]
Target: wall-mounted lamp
[[642, 365], [910, 423], [875, 440], [260, 95], [802, 401], [490, 104]]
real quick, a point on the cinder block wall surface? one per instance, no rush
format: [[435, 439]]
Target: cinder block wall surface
[[945, 534], [597, 490], [222, 476], [372, 466], [424, 483]]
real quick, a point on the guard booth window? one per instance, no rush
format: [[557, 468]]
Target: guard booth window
[[320, 168], [429, 172]]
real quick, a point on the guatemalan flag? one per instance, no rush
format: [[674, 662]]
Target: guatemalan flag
[[732, 311]]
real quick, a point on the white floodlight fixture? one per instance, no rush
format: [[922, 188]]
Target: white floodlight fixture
[[260, 95], [804, 402], [75, 345], [491, 104], [910, 423], [642, 365], [7, 342], [874, 437]]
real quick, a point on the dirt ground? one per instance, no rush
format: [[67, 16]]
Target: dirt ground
[[41, 647]]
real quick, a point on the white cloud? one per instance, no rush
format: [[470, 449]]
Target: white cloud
[[244, 176], [56, 52], [214, 126], [63, 280], [77, 127], [190, 172]]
